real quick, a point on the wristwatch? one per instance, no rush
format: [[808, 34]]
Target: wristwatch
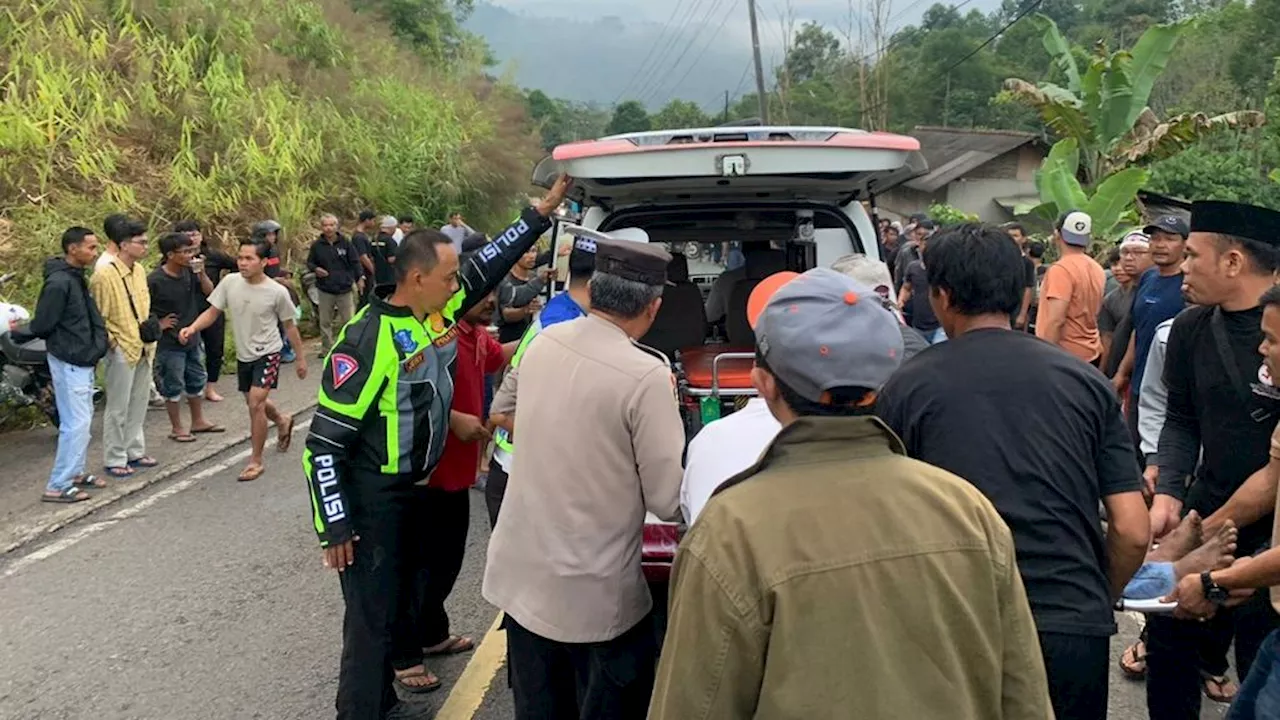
[[1213, 592]]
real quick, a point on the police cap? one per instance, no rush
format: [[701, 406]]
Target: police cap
[[640, 262]]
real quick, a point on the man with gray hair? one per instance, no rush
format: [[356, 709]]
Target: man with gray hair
[[600, 443], [336, 264], [874, 274]]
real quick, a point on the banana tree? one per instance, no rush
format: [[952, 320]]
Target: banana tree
[[1102, 113], [1109, 203]]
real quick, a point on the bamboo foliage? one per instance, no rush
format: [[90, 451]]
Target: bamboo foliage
[[229, 111]]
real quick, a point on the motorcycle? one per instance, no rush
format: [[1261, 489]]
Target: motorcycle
[[24, 369]]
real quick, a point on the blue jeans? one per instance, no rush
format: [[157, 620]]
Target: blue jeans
[[1259, 696], [1153, 580], [73, 389], [181, 370]]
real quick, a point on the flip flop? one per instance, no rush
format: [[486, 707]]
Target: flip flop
[[212, 429], [68, 496], [183, 438], [89, 481], [145, 461], [251, 473], [455, 645], [119, 472], [1133, 661], [284, 435], [1223, 684], [417, 689]]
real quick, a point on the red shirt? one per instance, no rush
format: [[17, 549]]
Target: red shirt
[[478, 355]]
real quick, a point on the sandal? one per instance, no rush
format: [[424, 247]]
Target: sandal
[[145, 461], [66, 497], [455, 645], [1133, 661], [284, 434], [212, 429], [251, 473], [1225, 691], [89, 481], [182, 437], [119, 472], [431, 685]]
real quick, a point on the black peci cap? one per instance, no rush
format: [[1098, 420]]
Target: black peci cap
[[1244, 221]]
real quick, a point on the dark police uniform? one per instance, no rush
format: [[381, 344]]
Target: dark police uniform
[[380, 427]]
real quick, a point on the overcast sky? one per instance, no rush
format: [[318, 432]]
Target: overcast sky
[[603, 51], [833, 13]]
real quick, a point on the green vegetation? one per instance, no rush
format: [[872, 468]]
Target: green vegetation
[[234, 110]]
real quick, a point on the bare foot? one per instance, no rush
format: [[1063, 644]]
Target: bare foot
[[1183, 539], [1216, 553], [212, 395]]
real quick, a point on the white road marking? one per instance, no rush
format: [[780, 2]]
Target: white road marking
[[75, 536]]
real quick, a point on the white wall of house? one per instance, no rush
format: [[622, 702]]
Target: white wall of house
[[977, 196]]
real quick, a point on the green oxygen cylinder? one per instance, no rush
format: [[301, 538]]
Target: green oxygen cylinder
[[710, 407]]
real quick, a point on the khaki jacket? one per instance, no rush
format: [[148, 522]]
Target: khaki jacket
[[838, 578], [600, 441]]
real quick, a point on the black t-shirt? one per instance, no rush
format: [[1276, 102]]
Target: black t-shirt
[[383, 250], [1206, 411], [922, 317], [360, 242], [1041, 435], [179, 296]]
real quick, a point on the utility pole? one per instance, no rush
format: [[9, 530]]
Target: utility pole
[[755, 49], [726, 106]]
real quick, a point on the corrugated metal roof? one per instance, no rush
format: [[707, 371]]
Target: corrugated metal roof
[[953, 152]]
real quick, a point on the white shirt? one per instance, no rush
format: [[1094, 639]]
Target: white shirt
[[723, 449]]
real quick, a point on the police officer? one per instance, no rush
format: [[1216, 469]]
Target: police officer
[[600, 444], [380, 427]]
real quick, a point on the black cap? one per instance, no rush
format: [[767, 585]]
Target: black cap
[[1171, 224], [1243, 221], [639, 262]]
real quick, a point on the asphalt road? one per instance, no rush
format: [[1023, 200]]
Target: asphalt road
[[205, 598]]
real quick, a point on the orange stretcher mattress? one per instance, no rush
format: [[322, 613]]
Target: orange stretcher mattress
[[734, 374]]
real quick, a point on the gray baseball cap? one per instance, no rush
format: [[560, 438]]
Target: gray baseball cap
[[821, 330]]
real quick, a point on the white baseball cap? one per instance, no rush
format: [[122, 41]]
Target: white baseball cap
[[1076, 228]]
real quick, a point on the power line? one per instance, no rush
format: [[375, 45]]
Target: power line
[[657, 86], [877, 54], [1032, 6], [710, 41], [664, 50], [661, 36]]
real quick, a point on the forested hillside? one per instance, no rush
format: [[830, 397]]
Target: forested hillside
[[229, 111]]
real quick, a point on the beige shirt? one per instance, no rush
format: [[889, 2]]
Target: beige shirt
[[564, 559], [255, 309], [836, 577]]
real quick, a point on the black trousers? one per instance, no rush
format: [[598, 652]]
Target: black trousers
[[1078, 670], [609, 680], [371, 589], [438, 521], [215, 343], [1175, 649], [495, 488]]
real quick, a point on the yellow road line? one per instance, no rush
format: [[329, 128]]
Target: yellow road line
[[469, 692]]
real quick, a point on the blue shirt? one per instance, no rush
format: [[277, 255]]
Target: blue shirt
[[560, 308], [1156, 300]]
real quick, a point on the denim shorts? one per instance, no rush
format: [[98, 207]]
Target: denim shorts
[[180, 370]]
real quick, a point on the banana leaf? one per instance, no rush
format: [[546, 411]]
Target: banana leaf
[[1059, 50], [1149, 143], [1056, 180], [1150, 57], [1058, 107], [1116, 96], [1112, 198]]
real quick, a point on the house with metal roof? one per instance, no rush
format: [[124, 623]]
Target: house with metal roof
[[984, 172]]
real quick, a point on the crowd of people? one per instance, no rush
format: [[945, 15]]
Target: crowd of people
[[161, 331], [959, 460]]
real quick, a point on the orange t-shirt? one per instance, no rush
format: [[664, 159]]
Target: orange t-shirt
[[1078, 279]]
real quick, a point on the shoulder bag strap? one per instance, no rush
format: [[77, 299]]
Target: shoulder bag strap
[[127, 293], [1218, 327]]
